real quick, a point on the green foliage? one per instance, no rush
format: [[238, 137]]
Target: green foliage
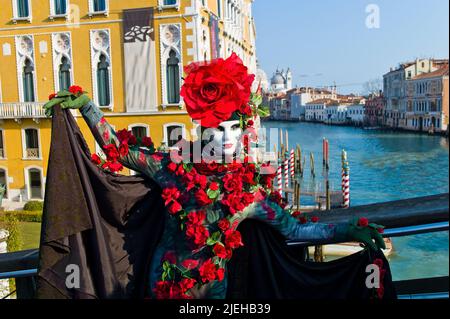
[[263, 111], [22, 216], [14, 240], [34, 206]]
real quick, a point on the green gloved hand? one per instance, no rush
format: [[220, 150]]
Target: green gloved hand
[[67, 101], [360, 230]]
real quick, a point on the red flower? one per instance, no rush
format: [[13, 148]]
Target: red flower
[[220, 251], [111, 152], [170, 257], [123, 149], [76, 90], [202, 198], [174, 208], [96, 159], [169, 194], [162, 290], [315, 219], [303, 219], [172, 167], [132, 140], [180, 171], [147, 141], [52, 96], [224, 224], [250, 123], [233, 239], [234, 203], [363, 222], [201, 181], [124, 135], [232, 183], [208, 271], [380, 230], [113, 166], [197, 218], [296, 214], [213, 91], [214, 186], [190, 264], [186, 284], [220, 274], [245, 109]]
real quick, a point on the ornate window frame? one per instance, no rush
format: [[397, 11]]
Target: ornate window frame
[[96, 51], [58, 54], [93, 13], [24, 144], [3, 156], [21, 56], [16, 17], [166, 45]]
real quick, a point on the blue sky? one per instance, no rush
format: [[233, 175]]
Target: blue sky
[[327, 41]]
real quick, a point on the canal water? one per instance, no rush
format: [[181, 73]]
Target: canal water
[[384, 166]]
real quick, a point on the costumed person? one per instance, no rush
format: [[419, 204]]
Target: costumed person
[[206, 201]]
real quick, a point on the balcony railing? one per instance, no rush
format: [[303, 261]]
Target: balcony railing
[[20, 110], [32, 153]]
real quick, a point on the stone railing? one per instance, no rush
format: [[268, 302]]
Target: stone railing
[[20, 110]]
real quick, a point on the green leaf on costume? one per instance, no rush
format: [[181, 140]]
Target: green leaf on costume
[[263, 111], [214, 239], [256, 99], [213, 194], [213, 216]]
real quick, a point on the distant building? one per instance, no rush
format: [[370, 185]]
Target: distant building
[[427, 101], [315, 111], [374, 109], [355, 114], [336, 114], [395, 85], [281, 81]]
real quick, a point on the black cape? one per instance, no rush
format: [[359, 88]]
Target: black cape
[[107, 226]]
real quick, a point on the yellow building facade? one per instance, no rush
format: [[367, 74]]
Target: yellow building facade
[[128, 55]]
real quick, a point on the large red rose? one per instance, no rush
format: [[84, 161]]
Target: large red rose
[[232, 183], [213, 91], [111, 152], [233, 239], [208, 271]]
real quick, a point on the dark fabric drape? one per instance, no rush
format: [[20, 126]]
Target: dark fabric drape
[[266, 268], [107, 225]]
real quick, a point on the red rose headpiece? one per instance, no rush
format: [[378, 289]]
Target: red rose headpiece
[[214, 90]]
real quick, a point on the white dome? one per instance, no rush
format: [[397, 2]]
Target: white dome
[[277, 79]]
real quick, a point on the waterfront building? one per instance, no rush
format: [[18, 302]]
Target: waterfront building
[[374, 110], [395, 86], [355, 114], [336, 114], [129, 61], [427, 101], [315, 111]]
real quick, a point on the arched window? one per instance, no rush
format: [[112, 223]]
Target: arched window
[[64, 74], [173, 78], [28, 81], [103, 88]]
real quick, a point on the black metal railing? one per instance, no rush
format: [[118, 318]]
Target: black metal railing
[[401, 218]]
